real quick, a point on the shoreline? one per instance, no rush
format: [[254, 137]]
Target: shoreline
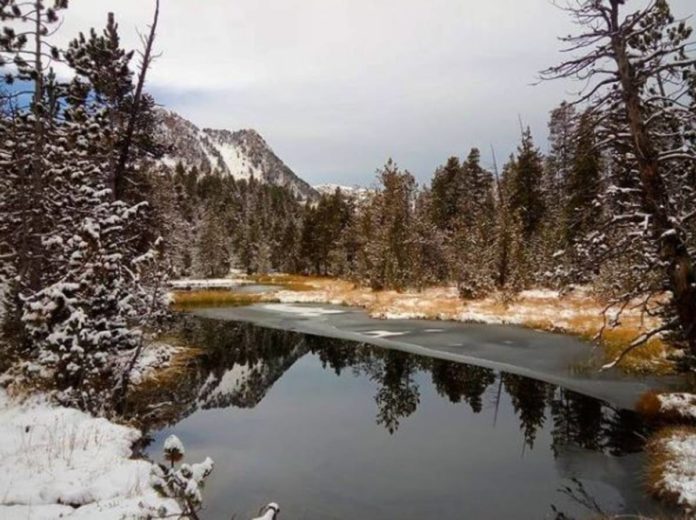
[[552, 358]]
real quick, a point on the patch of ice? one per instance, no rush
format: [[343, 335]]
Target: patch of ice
[[383, 333], [305, 312]]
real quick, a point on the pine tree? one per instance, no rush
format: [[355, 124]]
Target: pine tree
[[583, 184], [390, 243], [526, 196]]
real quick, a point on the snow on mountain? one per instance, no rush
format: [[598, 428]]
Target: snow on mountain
[[242, 154], [352, 191]]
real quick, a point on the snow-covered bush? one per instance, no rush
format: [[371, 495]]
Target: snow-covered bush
[[182, 483]]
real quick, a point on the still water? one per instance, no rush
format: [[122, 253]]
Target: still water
[[338, 430]]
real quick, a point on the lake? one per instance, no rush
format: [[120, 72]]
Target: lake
[[332, 429]]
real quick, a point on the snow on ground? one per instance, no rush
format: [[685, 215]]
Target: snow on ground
[[679, 473], [212, 283], [540, 294], [300, 297], [52, 456], [155, 356], [682, 404], [2, 299], [305, 312]]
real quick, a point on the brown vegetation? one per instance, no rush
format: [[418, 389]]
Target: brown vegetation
[[578, 313]]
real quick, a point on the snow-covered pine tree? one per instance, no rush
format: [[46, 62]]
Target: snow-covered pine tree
[[640, 84], [389, 248], [474, 252], [26, 55], [80, 317]]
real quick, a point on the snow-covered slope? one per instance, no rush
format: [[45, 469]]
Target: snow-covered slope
[[357, 192], [242, 154]]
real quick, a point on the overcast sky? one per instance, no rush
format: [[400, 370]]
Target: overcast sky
[[338, 86]]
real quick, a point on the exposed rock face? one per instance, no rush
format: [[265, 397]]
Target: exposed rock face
[[242, 154]]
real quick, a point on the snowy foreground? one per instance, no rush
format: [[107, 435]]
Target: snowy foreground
[[51, 456]]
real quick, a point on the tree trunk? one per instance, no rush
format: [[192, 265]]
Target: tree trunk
[[118, 179], [673, 249]]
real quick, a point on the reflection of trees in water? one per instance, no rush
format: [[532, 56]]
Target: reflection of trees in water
[[577, 420], [529, 399], [588, 423], [242, 362], [398, 395], [457, 382]]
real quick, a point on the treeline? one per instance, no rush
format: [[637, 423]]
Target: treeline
[[522, 227]]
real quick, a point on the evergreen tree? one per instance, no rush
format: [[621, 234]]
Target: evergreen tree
[[583, 184], [526, 196]]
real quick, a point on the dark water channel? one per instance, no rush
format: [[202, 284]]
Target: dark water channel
[[332, 429]]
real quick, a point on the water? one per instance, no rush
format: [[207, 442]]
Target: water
[[333, 429]]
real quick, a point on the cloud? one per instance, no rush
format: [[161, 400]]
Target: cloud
[[337, 86]]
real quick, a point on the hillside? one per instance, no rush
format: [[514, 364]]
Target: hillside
[[243, 154]]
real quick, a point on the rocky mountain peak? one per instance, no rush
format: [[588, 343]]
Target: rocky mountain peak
[[243, 154]]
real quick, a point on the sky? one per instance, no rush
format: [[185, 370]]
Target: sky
[[336, 87]]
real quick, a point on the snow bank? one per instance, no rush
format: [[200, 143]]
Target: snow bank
[[58, 461], [155, 356], [679, 474], [302, 297], [682, 404], [212, 283]]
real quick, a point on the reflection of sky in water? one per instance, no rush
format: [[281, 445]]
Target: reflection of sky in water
[[313, 442]]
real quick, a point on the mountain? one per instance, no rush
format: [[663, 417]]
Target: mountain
[[357, 192], [242, 154]]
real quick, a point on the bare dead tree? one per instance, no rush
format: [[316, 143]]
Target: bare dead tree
[[638, 79], [147, 57]]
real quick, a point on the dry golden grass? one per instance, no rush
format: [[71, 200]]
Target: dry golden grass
[[650, 358], [183, 300], [287, 281], [649, 405], [578, 313]]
